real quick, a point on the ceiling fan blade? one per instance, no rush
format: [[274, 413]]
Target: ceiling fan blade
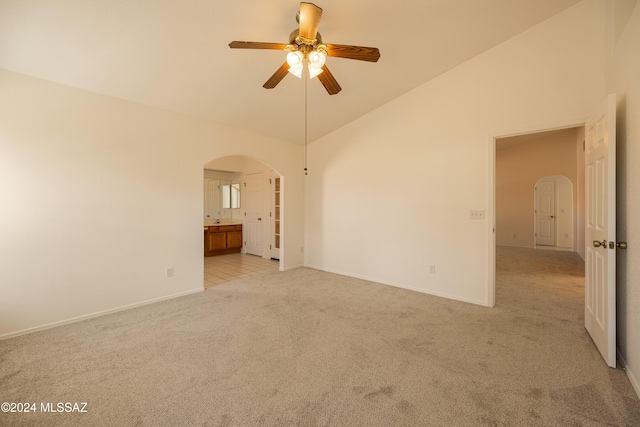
[[328, 81], [256, 45], [361, 53], [277, 76], [310, 15]]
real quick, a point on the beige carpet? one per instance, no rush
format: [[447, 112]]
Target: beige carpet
[[309, 348]]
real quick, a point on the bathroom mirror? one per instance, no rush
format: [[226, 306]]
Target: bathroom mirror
[[230, 195], [220, 198]]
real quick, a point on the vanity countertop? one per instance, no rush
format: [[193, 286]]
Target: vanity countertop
[[223, 222]]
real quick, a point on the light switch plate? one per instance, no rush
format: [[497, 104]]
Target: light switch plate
[[476, 214]]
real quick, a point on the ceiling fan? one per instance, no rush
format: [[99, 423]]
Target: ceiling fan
[[306, 47]]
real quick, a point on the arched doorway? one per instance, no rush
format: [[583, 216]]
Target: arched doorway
[[242, 197]]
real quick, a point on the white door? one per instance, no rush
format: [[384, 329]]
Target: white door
[[545, 213], [252, 224], [600, 259]]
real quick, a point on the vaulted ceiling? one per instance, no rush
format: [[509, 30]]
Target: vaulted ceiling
[[174, 55]]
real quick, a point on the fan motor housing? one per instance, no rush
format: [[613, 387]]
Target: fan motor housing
[[295, 39]]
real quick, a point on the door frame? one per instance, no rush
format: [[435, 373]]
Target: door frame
[[275, 209], [491, 202]]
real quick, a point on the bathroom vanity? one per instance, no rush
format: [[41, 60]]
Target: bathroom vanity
[[220, 239]]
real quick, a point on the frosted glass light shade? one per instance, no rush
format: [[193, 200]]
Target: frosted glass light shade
[[296, 62], [294, 59], [316, 59], [296, 71], [314, 71]]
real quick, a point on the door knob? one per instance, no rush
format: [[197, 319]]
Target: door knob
[[551, 216], [622, 245], [597, 243], [259, 219]]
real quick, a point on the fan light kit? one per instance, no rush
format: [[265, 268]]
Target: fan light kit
[[306, 48]]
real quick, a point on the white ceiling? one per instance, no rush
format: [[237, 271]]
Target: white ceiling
[[174, 54]]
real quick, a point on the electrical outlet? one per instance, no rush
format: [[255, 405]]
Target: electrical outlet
[[170, 272], [476, 214], [432, 269]]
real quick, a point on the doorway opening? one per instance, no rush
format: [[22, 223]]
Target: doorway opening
[[595, 161], [520, 163], [249, 224]]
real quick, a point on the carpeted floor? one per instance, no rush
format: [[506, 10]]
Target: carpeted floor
[[308, 348]]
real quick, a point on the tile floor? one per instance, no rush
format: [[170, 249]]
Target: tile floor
[[225, 268]]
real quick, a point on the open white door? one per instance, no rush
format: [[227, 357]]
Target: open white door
[[600, 250]]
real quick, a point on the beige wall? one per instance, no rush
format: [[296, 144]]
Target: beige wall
[[390, 194], [100, 196], [519, 167]]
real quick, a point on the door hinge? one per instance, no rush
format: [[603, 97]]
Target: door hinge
[[269, 247], [269, 214], [245, 184], [269, 181]]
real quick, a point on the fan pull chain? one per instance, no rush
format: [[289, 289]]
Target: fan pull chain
[[305, 125]]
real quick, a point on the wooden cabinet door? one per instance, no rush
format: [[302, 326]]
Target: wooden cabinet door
[[234, 239], [217, 241]]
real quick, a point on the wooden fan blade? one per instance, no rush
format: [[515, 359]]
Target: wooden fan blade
[[360, 53], [328, 81], [256, 45], [310, 15], [277, 76]]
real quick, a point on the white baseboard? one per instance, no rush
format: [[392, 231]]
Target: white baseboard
[[554, 248], [633, 379], [402, 286], [96, 314], [293, 267]]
